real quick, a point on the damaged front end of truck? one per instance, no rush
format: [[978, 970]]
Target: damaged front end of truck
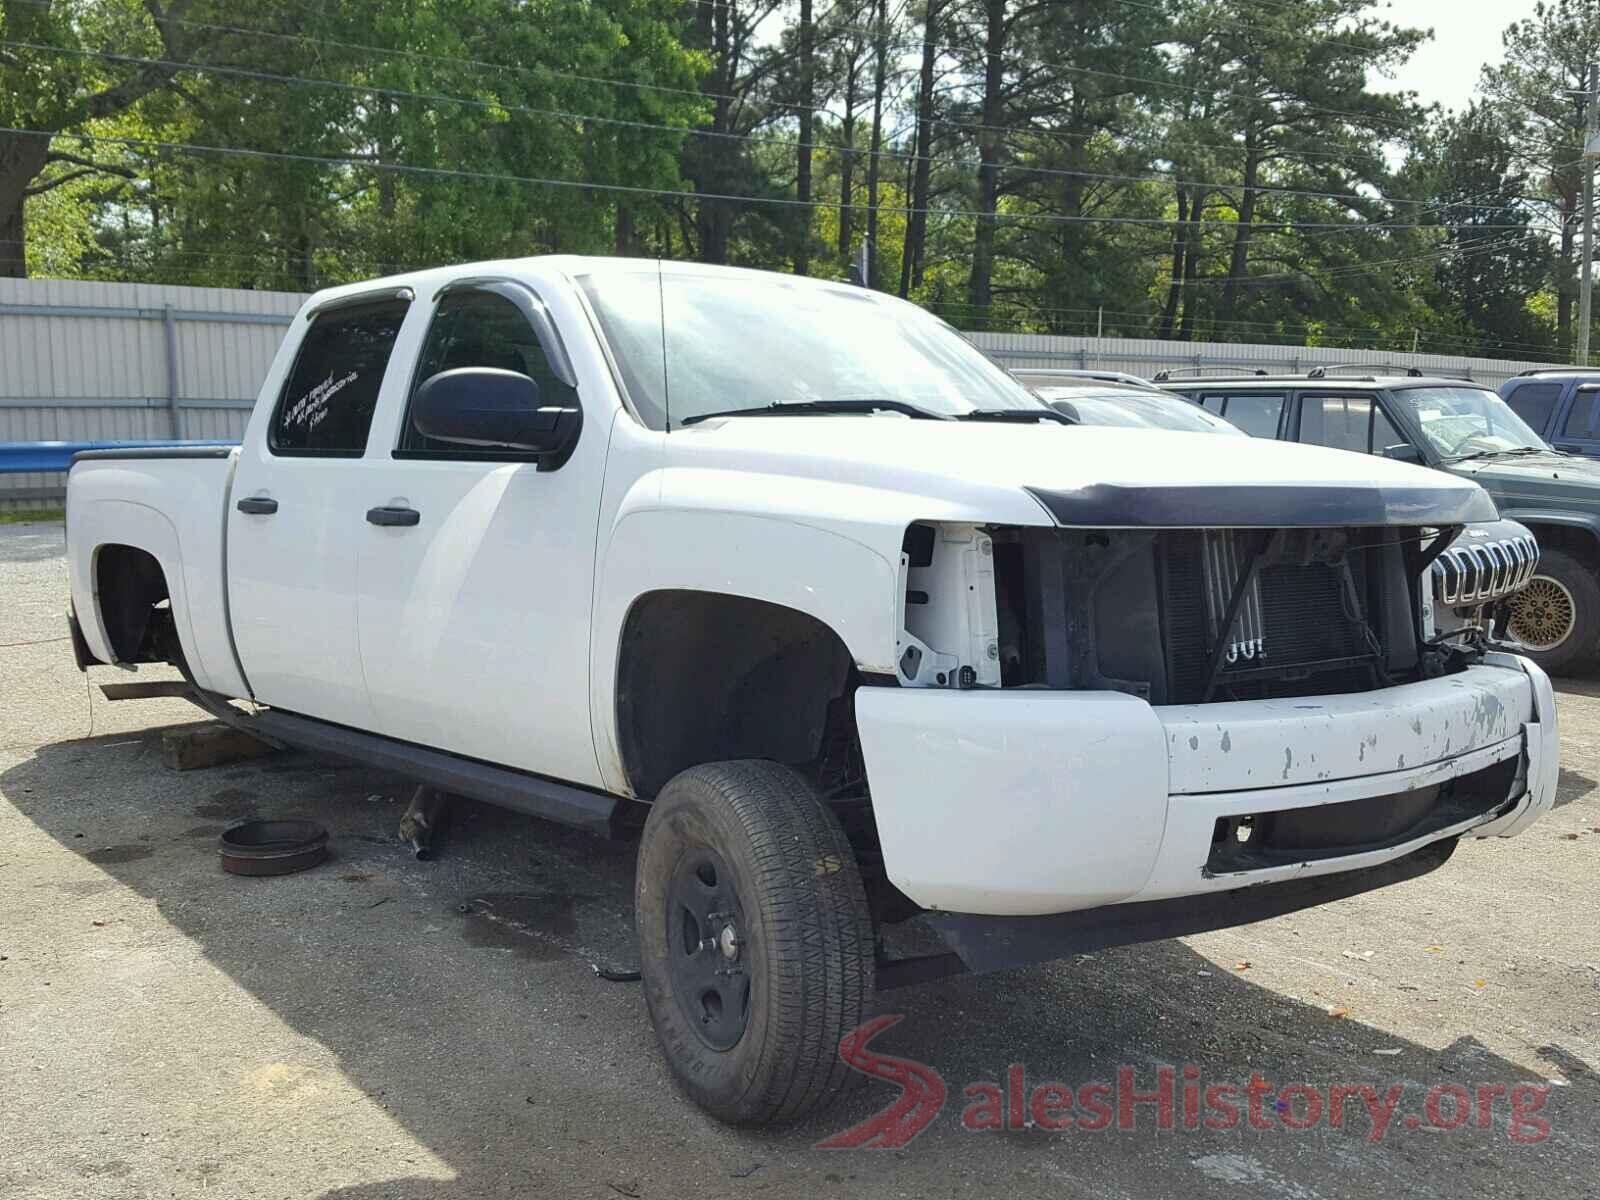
[[1216, 704]]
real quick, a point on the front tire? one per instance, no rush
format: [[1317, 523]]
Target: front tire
[[755, 940], [1557, 615]]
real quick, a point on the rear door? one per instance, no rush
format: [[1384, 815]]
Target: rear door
[[1537, 402], [1258, 413], [474, 620], [296, 516]]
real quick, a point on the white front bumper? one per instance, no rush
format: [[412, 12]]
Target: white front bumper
[[1026, 802]]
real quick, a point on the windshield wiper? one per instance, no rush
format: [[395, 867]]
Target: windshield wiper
[[1497, 453], [807, 408], [1033, 415]]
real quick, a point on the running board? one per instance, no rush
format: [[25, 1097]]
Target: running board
[[519, 791]]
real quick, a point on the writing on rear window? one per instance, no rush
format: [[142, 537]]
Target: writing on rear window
[[311, 410], [328, 400]]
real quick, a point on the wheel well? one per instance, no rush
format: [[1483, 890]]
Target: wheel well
[[1580, 543], [706, 677], [130, 585]]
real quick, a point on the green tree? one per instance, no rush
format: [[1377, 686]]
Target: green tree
[[1539, 89], [1495, 257], [55, 79]]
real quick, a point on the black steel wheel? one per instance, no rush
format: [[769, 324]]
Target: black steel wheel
[[710, 971], [755, 940]]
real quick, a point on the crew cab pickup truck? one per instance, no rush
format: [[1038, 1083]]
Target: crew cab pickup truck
[[846, 625]]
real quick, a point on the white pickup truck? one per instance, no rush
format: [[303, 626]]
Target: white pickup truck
[[856, 629]]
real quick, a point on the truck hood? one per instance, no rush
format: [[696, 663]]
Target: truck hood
[[1091, 476]]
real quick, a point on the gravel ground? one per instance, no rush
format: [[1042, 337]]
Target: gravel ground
[[379, 1027]]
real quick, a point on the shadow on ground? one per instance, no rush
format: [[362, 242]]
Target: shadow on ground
[[459, 995]]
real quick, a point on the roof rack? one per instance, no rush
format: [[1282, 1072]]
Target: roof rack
[[1228, 372], [1076, 373], [1323, 370], [1560, 371]]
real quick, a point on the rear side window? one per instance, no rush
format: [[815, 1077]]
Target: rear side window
[[1535, 403], [1256, 413], [327, 404]]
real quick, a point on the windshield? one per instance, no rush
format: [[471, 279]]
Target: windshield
[[1460, 421], [739, 342], [1140, 410]]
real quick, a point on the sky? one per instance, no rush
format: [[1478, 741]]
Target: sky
[[1466, 34]]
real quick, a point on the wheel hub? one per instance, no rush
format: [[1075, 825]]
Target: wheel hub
[[710, 975], [1543, 613]]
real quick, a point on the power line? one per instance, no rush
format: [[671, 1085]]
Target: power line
[[1504, 242], [782, 201], [1351, 199], [1013, 60]]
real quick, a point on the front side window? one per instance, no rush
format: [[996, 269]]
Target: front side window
[[688, 344], [478, 329], [1580, 423], [1339, 422], [1353, 423], [1458, 422], [327, 402]]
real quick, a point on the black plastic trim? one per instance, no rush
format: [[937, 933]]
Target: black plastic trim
[[1252, 506], [81, 653], [393, 515], [568, 804], [987, 943], [156, 452]]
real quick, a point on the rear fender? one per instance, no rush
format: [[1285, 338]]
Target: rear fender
[[101, 523]]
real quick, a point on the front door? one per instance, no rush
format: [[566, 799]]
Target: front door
[[1347, 421], [474, 621], [295, 520], [1579, 428]]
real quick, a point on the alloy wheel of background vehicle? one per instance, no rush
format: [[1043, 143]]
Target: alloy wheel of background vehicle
[[1557, 615], [755, 940]]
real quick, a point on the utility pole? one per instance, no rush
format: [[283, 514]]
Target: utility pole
[[1591, 147]]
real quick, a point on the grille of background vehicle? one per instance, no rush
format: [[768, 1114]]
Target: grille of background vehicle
[[1482, 571]]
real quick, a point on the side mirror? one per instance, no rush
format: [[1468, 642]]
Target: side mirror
[[487, 408], [1404, 452]]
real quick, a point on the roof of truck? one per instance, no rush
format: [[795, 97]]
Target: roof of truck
[[1360, 382], [571, 265]]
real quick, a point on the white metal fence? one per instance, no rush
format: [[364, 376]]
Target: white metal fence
[[87, 361], [1146, 356]]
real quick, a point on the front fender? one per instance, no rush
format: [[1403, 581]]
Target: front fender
[[1539, 516], [848, 586]]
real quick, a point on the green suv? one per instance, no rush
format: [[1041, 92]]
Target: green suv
[[1467, 430]]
